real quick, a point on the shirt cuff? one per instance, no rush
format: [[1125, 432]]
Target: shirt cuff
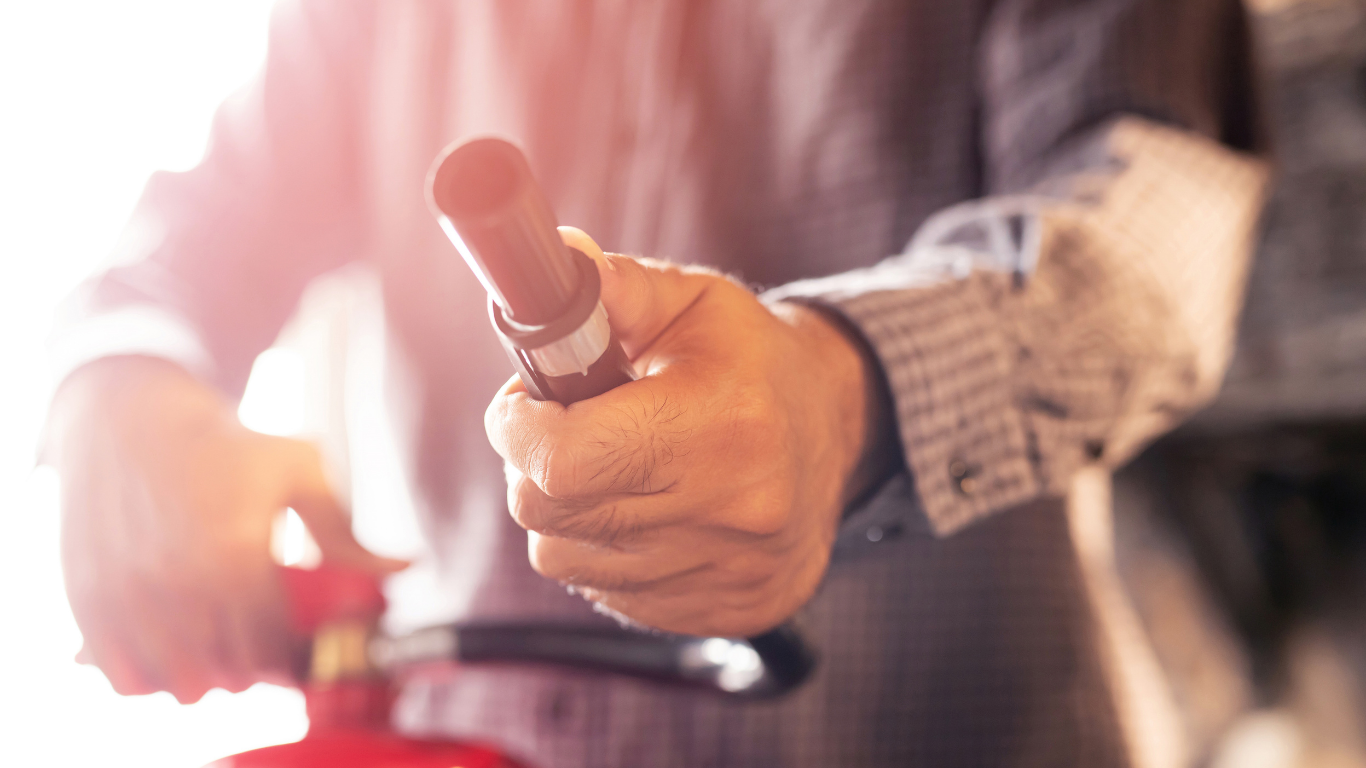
[[947, 365]]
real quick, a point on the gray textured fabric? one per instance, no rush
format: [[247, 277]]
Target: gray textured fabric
[[782, 141], [955, 636], [1302, 344]]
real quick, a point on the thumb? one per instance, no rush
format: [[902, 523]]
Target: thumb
[[642, 296], [330, 523]]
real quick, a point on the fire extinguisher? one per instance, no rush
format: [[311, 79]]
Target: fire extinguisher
[[347, 695], [350, 672]]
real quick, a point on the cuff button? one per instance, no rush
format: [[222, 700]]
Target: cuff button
[[964, 476]]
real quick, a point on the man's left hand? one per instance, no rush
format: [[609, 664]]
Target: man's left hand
[[702, 498]]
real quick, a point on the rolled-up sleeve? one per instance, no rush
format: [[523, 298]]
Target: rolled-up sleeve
[[1088, 301]]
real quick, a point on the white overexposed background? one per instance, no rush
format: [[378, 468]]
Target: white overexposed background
[[94, 96]]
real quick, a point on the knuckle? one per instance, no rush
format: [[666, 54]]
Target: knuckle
[[764, 514], [754, 410], [756, 426], [750, 578], [549, 557], [586, 520], [667, 430], [605, 525], [522, 504], [644, 438], [558, 472]]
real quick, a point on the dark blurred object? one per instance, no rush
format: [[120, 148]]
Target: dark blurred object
[[1245, 554], [1302, 345], [1270, 482], [1276, 520], [1242, 537]]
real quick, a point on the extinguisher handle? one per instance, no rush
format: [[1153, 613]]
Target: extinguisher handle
[[329, 594]]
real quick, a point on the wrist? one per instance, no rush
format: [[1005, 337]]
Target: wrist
[[132, 395], [870, 412]]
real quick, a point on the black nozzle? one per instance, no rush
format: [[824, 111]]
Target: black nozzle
[[485, 190]]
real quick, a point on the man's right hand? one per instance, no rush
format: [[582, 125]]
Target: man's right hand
[[167, 509]]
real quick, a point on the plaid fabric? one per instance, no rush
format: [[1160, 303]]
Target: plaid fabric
[[972, 650], [784, 142], [1076, 346]]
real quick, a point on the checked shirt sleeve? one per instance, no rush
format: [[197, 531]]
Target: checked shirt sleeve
[[1087, 330], [1087, 302]]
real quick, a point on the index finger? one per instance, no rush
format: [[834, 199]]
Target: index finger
[[628, 440]]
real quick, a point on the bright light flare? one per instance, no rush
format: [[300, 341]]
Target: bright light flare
[[95, 95]]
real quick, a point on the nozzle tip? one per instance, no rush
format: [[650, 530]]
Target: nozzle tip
[[476, 179]]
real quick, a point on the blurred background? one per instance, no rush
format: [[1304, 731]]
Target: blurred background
[[1241, 539], [94, 96]]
